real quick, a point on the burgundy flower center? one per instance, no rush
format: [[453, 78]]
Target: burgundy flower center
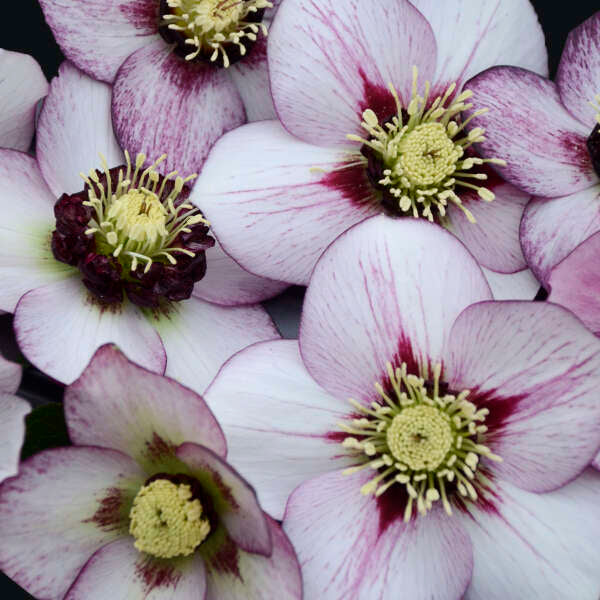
[[130, 231], [221, 32]]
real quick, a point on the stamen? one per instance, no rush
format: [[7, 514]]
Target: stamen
[[595, 104]]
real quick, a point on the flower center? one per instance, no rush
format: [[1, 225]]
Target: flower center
[[218, 30], [428, 442], [166, 521], [418, 158], [593, 142], [139, 216]]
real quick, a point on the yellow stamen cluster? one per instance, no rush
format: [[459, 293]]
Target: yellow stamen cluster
[[135, 219], [165, 521], [420, 439], [215, 24], [424, 157], [596, 106]]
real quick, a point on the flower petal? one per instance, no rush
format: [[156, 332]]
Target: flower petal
[[528, 127], [578, 76], [285, 201], [26, 260], [385, 291], [227, 284], [199, 337], [163, 104], [513, 286], [537, 546], [59, 327], [22, 85], [346, 552], [75, 128], [277, 420], [117, 404], [330, 60], [233, 499], [552, 229], [10, 376], [537, 369], [137, 576], [100, 34], [63, 506], [259, 577], [12, 433]]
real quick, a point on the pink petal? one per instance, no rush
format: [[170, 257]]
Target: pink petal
[[12, 433], [60, 326], [280, 425], [258, 577], [494, 238], [513, 286], [22, 85], [537, 369], [100, 34], [199, 337], [134, 576], [578, 76], [551, 229], [165, 105], [233, 499], [491, 33], [536, 546], [529, 128], [227, 284], [10, 376], [75, 128], [385, 291], [285, 201], [64, 505], [347, 552], [575, 283], [117, 404], [26, 260], [330, 60]]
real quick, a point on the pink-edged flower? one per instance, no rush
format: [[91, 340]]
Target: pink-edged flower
[[12, 413], [457, 469], [166, 57], [143, 505], [22, 85], [113, 257], [549, 134], [362, 132]]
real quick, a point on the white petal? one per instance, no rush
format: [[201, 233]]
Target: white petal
[[10, 376], [12, 433], [512, 286]]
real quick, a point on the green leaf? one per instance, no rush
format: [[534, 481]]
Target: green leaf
[[45, 427]]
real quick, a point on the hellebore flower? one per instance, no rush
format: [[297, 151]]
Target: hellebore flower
[[455, 469], [144, 496], [549, 134], [184, 71], [122, 257], [363, 132]]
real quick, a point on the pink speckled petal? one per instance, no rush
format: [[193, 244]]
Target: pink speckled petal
[[387, 290], [352, 546], [512, 286], [12, 433], [285, 201], [98, 35], [117, 404], [165, 105], [330, 60], [528, 126], [537, 369], [63, 506]]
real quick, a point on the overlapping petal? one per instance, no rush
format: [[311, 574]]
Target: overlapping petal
[[512, 286], [12, 432], [10, 376]]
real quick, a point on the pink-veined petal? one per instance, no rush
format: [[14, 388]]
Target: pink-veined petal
[[512, 286], [285, 201], [99, 35], [118, 404], [528, 126], [22, 85], [386, 291], [165, 105], [59, 327], [330, 60], [75, 128], [537, 369], [10, 376], [12, 433], [64, 505]]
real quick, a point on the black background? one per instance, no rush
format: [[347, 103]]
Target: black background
[[22, 28]]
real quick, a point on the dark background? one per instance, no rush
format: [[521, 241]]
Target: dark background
[[22, 28]]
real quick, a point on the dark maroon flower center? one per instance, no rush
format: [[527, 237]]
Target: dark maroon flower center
[[593, 144]]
